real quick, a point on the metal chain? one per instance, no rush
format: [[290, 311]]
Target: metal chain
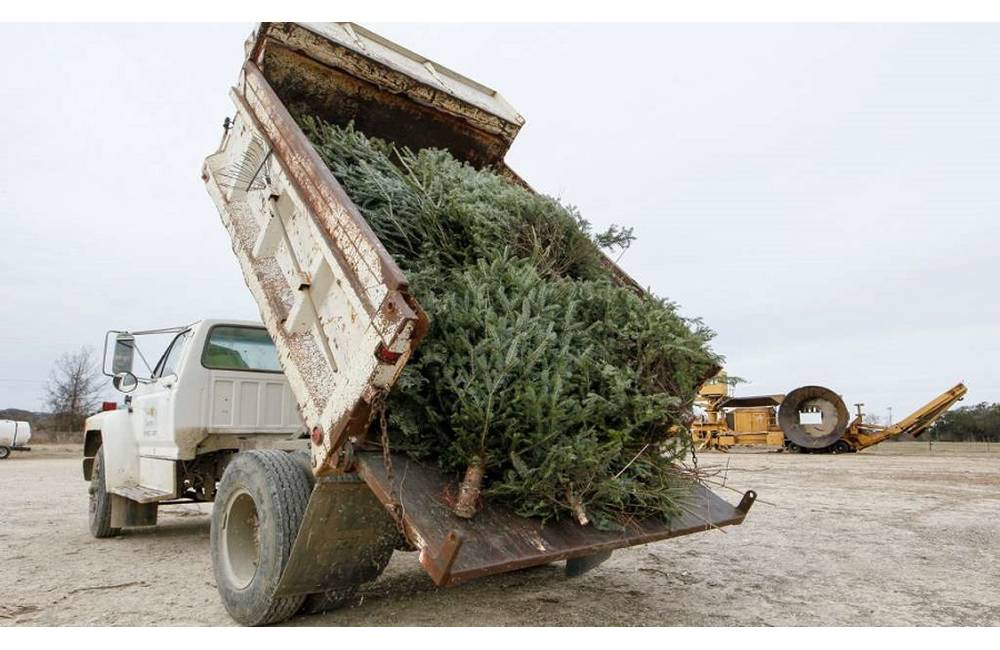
[[379, 409], [386, 456]]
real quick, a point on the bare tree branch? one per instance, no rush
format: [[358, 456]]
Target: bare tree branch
[[74, 389]]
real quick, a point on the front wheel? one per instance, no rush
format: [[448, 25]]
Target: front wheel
[[100, 501], [258, 510], [4, 452]]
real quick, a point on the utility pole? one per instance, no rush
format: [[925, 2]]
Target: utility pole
[[890, 416]]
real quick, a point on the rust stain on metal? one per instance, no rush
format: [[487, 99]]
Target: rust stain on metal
[[327, 289], [342, 219], [438, 566], [496, 540]]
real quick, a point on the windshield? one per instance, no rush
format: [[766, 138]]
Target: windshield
[[231, 347], [133, 351], [172, 357]]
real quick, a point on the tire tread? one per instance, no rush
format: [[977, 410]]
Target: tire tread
[[100, 525], [288, 489]]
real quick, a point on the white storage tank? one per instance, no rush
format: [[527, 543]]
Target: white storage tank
[[14, 434]]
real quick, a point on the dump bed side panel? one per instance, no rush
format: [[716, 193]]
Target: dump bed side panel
[[333, 300]]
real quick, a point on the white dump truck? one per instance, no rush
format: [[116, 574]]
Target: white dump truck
[[271, 421], [14, 436]]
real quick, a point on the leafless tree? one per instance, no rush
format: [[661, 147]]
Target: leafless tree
[[871, 418], [74, 389]]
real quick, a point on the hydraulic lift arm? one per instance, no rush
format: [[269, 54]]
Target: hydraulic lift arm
[[865, 435]]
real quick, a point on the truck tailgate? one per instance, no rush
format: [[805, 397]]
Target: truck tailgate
[[453, 550]]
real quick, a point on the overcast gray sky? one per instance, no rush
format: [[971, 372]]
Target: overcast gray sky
[[824, 196]]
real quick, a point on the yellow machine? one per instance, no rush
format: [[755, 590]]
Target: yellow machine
[[810, 419]]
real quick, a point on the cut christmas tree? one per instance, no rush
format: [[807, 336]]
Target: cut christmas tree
[[543, 383]]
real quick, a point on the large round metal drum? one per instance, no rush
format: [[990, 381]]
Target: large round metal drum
[[813, 417]]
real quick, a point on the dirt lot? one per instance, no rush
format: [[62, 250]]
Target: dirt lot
[[901, 536]]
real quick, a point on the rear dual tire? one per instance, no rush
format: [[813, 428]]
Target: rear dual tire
[[258, 510]]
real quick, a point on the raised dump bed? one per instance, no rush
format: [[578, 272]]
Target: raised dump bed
[[340, 313]]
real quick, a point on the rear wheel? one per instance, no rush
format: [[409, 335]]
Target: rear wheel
[[100, 501], [792, 447], [258, 510], [842, 447], [4, 452]]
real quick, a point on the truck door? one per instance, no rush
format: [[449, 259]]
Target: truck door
[[153, 411]]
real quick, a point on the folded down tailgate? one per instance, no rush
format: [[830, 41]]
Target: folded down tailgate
[[453, 550]]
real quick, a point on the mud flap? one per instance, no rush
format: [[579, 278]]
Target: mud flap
[[128, 513], [577, 566], [343, 531]]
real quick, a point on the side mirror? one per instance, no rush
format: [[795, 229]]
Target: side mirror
[[126, 382], [124, 351]]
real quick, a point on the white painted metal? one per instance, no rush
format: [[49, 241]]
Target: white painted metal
[[317, 272], [14, 433], [120, 446], [182, 413], [417, 67]]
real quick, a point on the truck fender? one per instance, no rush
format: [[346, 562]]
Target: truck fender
[[91, 443], [112, 432]]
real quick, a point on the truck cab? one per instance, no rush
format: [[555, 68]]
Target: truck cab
[[216, 389]]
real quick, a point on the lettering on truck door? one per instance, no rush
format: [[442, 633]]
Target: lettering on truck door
[[153, 403]]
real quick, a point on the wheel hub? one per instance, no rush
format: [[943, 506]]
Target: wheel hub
[[241, 535]]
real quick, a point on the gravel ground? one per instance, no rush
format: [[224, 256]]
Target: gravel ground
[[897, 535]]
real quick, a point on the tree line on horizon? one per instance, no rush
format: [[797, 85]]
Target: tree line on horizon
[[977, 423]]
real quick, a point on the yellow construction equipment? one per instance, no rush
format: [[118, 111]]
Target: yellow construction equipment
[[810, 419]]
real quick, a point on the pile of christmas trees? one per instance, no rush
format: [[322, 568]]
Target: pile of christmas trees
[[542, 382]]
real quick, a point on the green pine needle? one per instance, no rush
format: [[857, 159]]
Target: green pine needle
[[536, 360]]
